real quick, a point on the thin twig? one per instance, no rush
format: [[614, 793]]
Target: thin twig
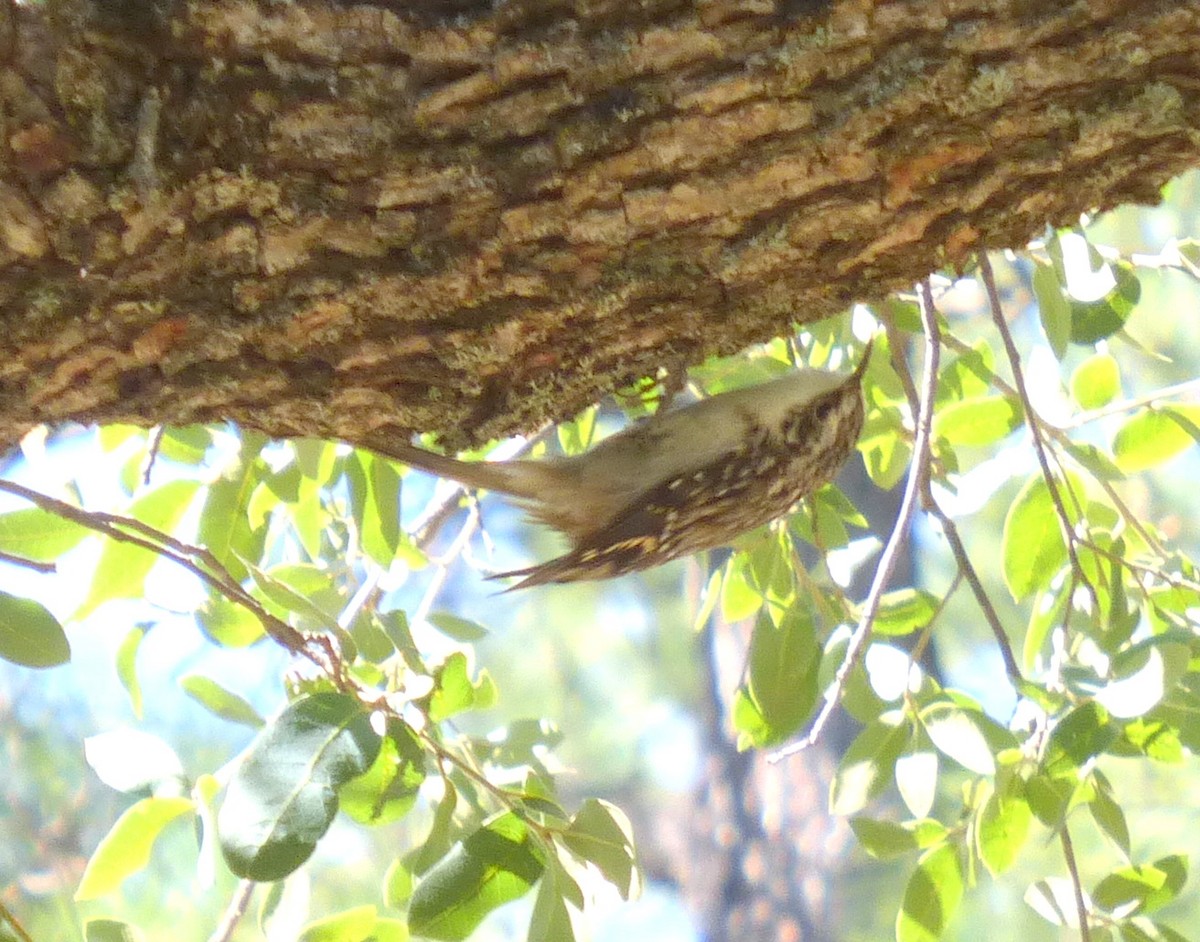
[[1085, 934], [238, 904], [7, 918], [1031, 418], [1062, 440], [27, 563], [959, 551], [918, 470], [1129, 405], [212, 573]]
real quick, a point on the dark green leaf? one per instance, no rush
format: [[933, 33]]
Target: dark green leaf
[[387, 791], [1143, 888], [283, 796], [496, 864], [1092, 321], [1080, 736]]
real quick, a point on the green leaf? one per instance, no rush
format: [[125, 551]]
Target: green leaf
[[302, 593], [1053, 307], [122, 567], [109, 930], [885, 448], [458, 629], [30, 635], [39, 535], [387, 791], [551, 919], [441, 833], [957, 735], [496, 864], [1092, 321], [883, 839], [932, 896], [1110, 819], [126, 661], [225, 528], [1141, 929], [283, 796], [1145, 888], [454, 691], [601, 834], [904, 611], [784, 661], [1003, 825], [1048, 608], [227, 623], [350, 925], [1149, 438], [125, 850], [375, 501], [867, 767], [1079, 737], [397, 884], [1096, 381], [977, 421], [1032, 545], [219, 701]]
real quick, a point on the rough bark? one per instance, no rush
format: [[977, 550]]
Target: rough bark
[[360, 220]]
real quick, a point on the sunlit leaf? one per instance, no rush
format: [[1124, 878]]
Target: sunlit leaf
[[350, 925], [1151, 437], [1003, 825], [125, 850], [387, 791], [122, 567], [126, 664], [1096, 381], [131, 760], [1032, 545], [784, 660], [39, 535], [956, 734], [462, 630], [932, 896], [601, 834], [868, 765], [977, 421]]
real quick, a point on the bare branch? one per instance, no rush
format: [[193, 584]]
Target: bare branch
[[918, 472]]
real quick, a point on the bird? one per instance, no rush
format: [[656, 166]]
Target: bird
[[684, 480]]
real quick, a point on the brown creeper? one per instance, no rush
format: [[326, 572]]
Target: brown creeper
[[682, 481]]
